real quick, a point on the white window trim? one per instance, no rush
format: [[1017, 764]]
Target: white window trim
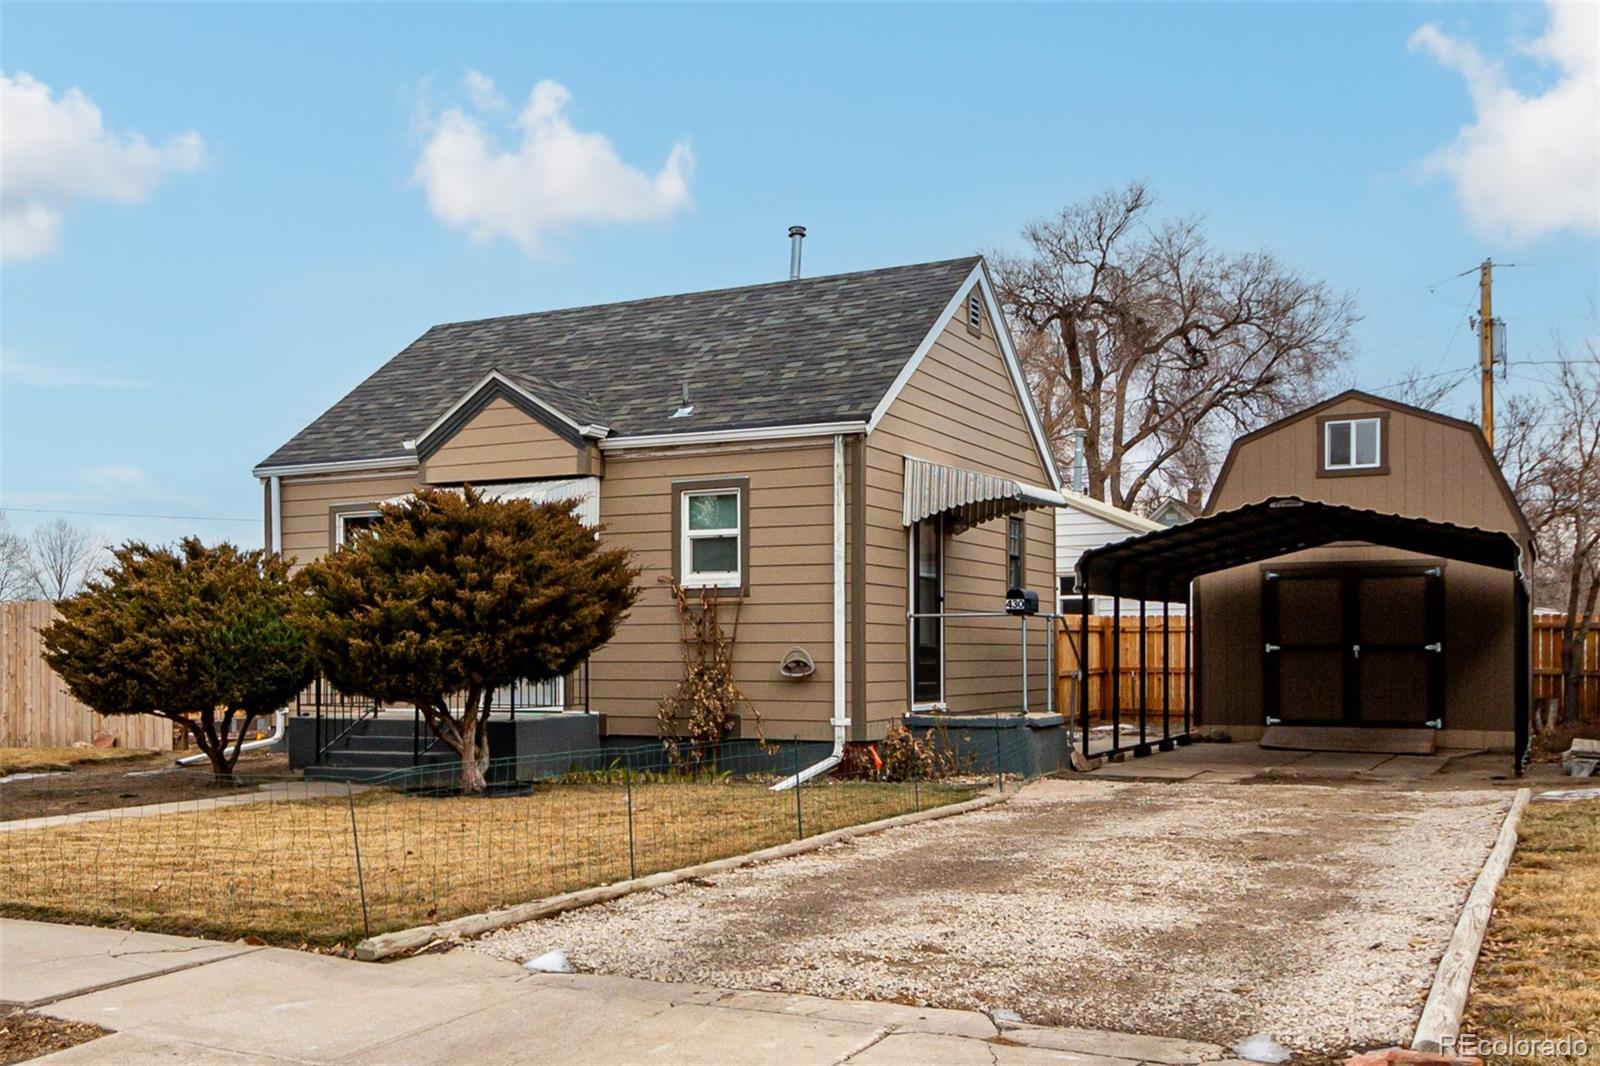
[[1353, 464], [342, 516], [712, 579]]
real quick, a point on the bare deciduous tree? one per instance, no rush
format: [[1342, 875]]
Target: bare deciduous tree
[[64, 557], [1159, 346], [16, 565], [1549, 447]]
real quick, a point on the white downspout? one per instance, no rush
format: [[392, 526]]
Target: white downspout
[[841, 720], [276, 547], [279, 728]]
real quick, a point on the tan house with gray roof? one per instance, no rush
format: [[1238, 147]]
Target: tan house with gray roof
[[833, 454]]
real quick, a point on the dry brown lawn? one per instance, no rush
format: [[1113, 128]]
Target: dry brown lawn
[[287, 871], [45, 760], [1536, 977]]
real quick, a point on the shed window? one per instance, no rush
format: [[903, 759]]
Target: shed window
[[711, 536], [1352, 444], [1016, 542], [353, 522]]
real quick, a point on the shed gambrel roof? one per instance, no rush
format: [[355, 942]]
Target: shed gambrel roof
[[790, 353]]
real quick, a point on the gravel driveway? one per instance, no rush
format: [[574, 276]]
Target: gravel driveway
[[1208, 912]]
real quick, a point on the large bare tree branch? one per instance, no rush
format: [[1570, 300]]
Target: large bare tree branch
[[1156, 344]]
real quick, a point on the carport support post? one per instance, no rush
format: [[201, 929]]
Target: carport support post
[[1144, 675], [1166, 671], [1116, 660], [1083, 665], [1519, 714], [1188, 658]]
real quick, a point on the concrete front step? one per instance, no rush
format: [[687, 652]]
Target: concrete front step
[[391, 760], [362, 742], [439, 774], [1374, 741]]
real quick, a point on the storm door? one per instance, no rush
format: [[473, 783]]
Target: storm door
[[927, 601]]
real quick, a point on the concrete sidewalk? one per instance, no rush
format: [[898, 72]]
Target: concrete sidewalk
[[168, 1000], [274, 792]]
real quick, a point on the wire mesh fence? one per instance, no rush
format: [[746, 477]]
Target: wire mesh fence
[[320, 862]]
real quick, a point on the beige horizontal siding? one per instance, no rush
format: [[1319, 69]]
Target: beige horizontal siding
[[790, 602], [502, 443], [959, 408], [307, 503]]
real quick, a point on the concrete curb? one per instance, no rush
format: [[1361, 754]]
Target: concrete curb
[[1447, 997], [385, 945]]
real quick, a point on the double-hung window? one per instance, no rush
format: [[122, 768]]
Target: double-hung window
[[712, 547], [1016, 555], [351, 523], [1352, 444]]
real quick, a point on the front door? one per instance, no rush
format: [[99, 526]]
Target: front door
[[1353, 646]]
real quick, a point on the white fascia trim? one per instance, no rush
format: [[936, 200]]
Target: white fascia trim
[[399, 465], [1111, 513], [495, 376], [980, 277], [725, 436]]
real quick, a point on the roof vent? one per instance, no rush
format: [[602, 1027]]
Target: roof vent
[[796, 235], [685, 408]]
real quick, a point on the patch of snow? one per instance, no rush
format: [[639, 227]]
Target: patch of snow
[[1261, 1048], [1569, 794], [29, 777], [554, 961]]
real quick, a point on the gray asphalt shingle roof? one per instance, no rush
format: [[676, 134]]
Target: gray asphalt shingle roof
[[822, 349]]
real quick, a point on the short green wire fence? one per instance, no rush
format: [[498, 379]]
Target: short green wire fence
[[323, 862]]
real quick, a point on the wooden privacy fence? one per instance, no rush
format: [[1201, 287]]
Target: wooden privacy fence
[[37, 711], [1547, 645], [1165, 667]]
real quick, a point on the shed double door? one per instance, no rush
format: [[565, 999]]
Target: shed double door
[[1354, 646]]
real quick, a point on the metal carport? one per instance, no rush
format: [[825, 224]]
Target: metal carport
[[1162, 566]]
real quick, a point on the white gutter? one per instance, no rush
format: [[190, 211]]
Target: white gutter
[[840, 721], [727, 436], [280, 727], [401, 465]]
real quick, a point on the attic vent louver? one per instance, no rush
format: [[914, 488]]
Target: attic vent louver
[[974, 314]]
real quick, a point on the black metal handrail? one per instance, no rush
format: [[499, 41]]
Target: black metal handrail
[[337, 713]]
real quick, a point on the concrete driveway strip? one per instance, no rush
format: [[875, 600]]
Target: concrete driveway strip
[[40, 962], [272, 1006]]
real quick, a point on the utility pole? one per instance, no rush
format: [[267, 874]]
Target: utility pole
[[1486, 345]]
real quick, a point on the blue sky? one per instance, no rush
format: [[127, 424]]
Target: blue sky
[[267, 245]]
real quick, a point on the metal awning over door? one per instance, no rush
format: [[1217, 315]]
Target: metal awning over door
[[967, 497]]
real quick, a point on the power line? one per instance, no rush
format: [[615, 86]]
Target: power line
[[130, 514]]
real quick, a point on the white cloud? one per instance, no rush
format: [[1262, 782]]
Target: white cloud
[[21, 372], [553, 177], [55, 151], [482, 93], [115, 476], [1530, 162]]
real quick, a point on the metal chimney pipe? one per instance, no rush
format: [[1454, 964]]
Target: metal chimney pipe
[[796, 235], [1080, 460]]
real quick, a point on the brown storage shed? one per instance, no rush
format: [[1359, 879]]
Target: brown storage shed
[[1362, 567]]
